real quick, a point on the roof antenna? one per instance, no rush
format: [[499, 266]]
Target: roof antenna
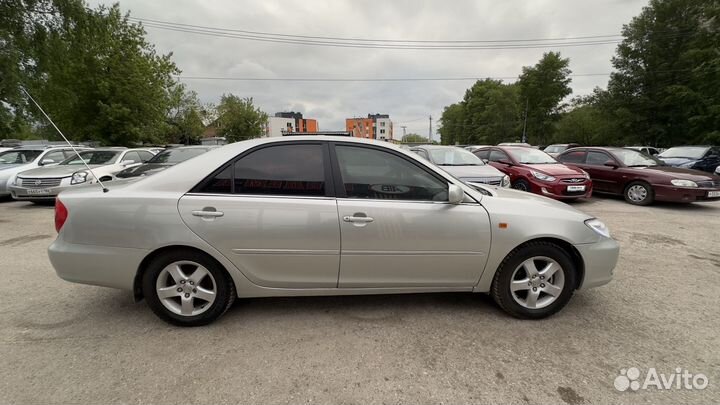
[[104, 189]]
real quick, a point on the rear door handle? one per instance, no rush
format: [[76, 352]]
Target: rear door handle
[[362, 220], [206, 213]]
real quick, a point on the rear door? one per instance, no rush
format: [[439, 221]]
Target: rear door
[[398, 230], [271, 212]]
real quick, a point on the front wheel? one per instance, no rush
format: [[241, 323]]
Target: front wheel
[[534, 281], [187, 288], [521, 184], [639, 193]]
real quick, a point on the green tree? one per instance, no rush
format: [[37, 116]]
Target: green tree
[[451, 124], [238, 119], [185, 117], [491, 113], [414, 138], [542, 89], [665, 88]]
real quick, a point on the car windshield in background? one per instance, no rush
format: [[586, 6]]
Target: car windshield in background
[[690, 152], [92, 157], [554, 149], [530, 156], [454, 157], [633, 158], [14, 157], [176, 155]]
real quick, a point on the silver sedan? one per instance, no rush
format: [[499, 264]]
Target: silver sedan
[[316, 215]]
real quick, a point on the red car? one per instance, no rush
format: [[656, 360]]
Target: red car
[[641, 179], [535, 171]]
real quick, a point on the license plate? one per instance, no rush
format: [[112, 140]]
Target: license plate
[[712, 194], [575, 188], [38, 191]]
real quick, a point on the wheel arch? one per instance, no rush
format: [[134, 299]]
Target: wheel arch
[[566, 246]]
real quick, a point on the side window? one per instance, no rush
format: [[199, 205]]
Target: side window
[[375, 174], [483, 154], [145, 155], [295, 170], [132, 155], [220, 184], [496, 156], [597, 158], [56, 156], [573, 157]]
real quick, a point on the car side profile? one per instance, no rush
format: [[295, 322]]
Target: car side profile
[[641, 179], [317, 215]]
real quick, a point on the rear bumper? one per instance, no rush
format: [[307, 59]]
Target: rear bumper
[[684, 194], [96, 265], [600, 259]]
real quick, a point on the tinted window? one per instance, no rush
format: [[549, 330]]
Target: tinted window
[[573, 157], [690, 152], [176, 155], [220, 184], [496, 156], [56, 157], [452, 156], [91, 157], [483, 154], [145, 156], [282, 170], [598, 158], [375, 174]]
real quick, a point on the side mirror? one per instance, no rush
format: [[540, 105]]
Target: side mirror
[[46, 162], [456, 194], [612, 164]]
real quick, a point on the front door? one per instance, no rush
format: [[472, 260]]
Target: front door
[[605, 178], [397, 228], [270, 212]]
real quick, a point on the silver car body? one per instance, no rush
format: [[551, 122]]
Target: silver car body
[[45, 183], [9, 171], [480, 173], [290, 246]]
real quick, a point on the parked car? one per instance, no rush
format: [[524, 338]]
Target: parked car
[[648, 150], [45, 183], [473, 148], [705, 158], [163, 160], [558, 148], [317, 215], [641, 179], [535, 171], [527, 145], [462, 164], [24, 158]]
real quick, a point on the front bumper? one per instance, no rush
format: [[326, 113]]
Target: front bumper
[[22, 193], [559, 189], [104, 266], [600, 259], [684, 194]]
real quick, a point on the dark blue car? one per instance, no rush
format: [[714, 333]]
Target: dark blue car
[[705, 158]]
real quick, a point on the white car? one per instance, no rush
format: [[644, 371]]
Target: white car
[[20, 159], [45, 183]]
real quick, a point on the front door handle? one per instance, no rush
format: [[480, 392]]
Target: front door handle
[[208, 212], [357, 219]]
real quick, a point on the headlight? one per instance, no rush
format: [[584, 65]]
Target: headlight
[[688, 165], [542, 176], [683, 183], [598, 226], [586, 174], [79, 177], [506, 181]]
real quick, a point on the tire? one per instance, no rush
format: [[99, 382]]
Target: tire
[[513, 274], [522, 185], [639, 193], [199, 293]]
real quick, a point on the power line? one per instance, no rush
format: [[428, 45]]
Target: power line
[[366, 79]]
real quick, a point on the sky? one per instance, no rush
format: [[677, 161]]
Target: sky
[[409, 103]]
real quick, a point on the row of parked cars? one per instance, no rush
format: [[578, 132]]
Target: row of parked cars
[[40, 173], [569, 171]]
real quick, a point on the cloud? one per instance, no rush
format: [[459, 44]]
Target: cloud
[[408, 103]]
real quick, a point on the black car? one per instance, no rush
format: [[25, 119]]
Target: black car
[[163, 160], [705, 158]]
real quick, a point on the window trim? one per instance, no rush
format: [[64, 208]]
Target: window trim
[[340, 186], [329, 184]]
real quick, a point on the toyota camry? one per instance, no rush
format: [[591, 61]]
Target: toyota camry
[[316, 215]]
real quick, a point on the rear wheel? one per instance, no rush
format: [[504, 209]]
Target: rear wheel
[[521, 184], [187, 288], [639, 193], [534, 281]]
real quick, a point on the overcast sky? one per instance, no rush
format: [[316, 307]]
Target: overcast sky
[[408, 103]]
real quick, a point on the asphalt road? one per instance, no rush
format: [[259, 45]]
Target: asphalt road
[[68, 343]]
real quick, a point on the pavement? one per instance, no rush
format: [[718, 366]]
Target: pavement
[[70, 343]]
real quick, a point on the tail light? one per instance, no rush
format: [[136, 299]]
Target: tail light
[[61, 214]]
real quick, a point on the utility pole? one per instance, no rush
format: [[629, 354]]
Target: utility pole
[[524, 137], [430, 129], [403, 128]]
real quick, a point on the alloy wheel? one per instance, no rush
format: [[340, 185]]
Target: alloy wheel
[[537, 282], [186, 288]]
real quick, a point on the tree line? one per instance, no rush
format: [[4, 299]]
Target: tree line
[[663, 91], [99, 79]]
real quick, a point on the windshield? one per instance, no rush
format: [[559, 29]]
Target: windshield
[[93, 157], [690, 152], [530, 156], [176, 155], [634, 158], [555, 148], [453, 157], [14, 157]]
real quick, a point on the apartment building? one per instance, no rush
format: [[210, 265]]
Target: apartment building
[[288, 122], [375, 126]]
